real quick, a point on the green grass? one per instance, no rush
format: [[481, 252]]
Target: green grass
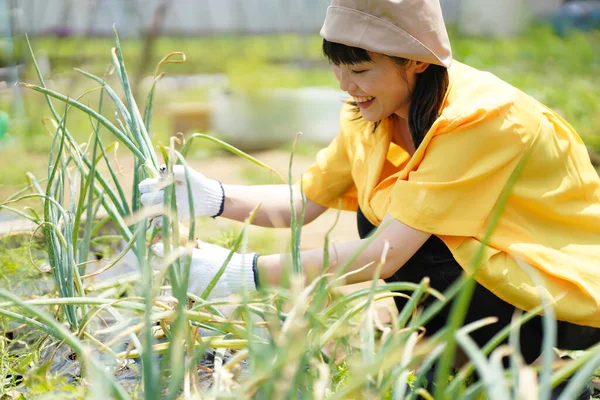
[[208, 54], [560, 72], [22, 259]]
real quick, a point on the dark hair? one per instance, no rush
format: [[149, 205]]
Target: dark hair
[[427, 96]]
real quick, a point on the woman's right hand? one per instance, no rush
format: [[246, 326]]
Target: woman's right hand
[[208, 194]]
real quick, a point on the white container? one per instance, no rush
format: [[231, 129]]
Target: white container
[[269, 118], [494, 18], [320, 113]]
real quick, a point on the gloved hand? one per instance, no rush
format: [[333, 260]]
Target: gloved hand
[[206, 262], [208, 194]]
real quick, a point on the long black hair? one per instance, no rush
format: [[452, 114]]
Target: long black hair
[[427, 96]]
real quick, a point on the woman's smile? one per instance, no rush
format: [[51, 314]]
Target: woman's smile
[[363, 102]]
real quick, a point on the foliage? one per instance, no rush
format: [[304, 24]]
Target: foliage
[[559, 72]]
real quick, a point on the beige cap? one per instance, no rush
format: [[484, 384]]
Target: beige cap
[[412, 29]]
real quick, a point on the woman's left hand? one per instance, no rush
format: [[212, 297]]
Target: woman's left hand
[[206, 262]]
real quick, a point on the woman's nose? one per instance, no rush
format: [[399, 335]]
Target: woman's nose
[[346, 83]]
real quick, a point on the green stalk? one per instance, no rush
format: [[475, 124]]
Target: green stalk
[[132, 123], [27, 321], [347, 299], [412, 304], [367, 330], [192, 230], [92, 301], [157, 77], [60, 263], [111, 93], [179, 275], [81, 199], [583, 367], [20, 213], [60, 332], [425, 366], [139, 130], [236, 245], [516, 359], [468, 369], [119, 188], [229, 148], [135, 193], [150, 372], [550, 334], [180, 327], [296, 262], [73, 276], [90, 183], [111, 204], [461, 304], [128, 247], [150, 104], [79, 158], [493, 379], [106, 123], [71, 140]]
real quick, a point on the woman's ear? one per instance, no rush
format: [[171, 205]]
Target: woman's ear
[[419, 67]]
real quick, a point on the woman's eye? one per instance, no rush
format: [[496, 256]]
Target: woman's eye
[[358, 72]]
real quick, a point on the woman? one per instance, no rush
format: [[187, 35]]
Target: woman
[[426, 148]]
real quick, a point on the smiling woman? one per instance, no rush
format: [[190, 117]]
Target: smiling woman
[[430, 153], [404, 87], [379, 86]]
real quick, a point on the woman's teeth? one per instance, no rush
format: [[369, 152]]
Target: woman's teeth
[[363, 99]]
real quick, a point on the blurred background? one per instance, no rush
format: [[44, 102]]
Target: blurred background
[[254, 74]]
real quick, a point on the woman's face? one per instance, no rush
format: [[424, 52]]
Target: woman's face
[[380, 87]]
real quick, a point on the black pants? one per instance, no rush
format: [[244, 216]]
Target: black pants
[[435, 260]]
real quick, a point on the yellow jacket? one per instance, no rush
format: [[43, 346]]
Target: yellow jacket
[[452, 183]]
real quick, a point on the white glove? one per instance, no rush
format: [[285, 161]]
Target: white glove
[[208, 194], [206, 262]]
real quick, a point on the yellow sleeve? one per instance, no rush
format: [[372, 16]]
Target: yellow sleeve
[[329, 179], [460, 177]]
